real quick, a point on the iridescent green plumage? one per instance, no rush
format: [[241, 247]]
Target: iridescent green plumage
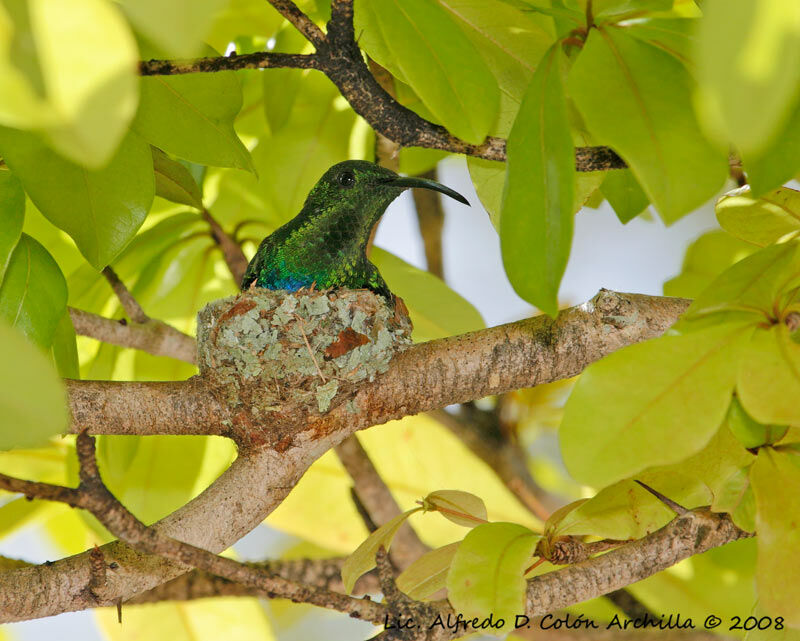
[[325, 244]]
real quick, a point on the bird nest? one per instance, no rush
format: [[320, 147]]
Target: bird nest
[[306, 346]]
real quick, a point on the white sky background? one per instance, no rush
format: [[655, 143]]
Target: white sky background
[[637, 257]]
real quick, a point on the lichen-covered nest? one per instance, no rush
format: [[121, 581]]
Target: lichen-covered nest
[[306, 346]]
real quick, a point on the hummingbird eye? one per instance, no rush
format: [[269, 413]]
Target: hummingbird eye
[[347, 179]]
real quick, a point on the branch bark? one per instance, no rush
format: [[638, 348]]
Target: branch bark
[[154, 336]]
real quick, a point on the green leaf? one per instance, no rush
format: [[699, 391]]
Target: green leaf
[[178, 27], [747, 430], [12, 216], [635, 98], [32, 398], [769, 377], [675, 36], [763, 220], [705, 259], [775, 477], [610, 8], [174, 181], [65, 349], [33, 296], [101, 210], [748, 70], [615, 426], [625, 510], [462, 508], [191, 116], [281, 87], [363, 558], [70, 73], [754, 283], [779, 162], [435, 309], [428, 574], [489, 179], [511, 42], [486, 575], [624, 194], [418, 42], [536, 219]]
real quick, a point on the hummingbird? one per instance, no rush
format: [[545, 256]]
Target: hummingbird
[[325, 245]]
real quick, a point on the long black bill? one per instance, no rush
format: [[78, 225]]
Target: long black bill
[[403, 181]]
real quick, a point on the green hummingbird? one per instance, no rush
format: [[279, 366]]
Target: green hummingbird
[[324, 246]]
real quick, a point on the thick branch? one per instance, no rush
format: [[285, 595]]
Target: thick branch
[[170, 407], [154, 336]]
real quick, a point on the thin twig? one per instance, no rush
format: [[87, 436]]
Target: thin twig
[[126, 299], [213, 64], [231, 251], [301, 21]]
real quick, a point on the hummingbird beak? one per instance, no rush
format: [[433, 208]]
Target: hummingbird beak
[[409, 182]]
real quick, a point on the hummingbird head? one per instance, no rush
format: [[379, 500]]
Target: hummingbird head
[[365, 189]]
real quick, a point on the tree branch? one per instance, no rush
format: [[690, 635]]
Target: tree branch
[[93, 496], [197, 584], [154, 336], [301, 21], [258, 60], [378, 501], [231, 251], [424, 377], [128, 302], [693, 533]]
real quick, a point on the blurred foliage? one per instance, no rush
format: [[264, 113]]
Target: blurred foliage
[[102, 167]]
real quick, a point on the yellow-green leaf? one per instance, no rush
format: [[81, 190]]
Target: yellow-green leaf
[[754, 283], [32, 397], [428, 574], [457, 506], [363, 558], [435, 309], [748, 70], [174, 182], [69, 73], [486, 574], [762, 221], [537, 210], [179, 27], [775, 477], [636, 98], [12, 216], [191, 116], [769, 377], [33, 296], [102, 210], [652, 403], [419, 42]]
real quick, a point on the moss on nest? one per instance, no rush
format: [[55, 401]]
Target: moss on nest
[[297, 346]]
